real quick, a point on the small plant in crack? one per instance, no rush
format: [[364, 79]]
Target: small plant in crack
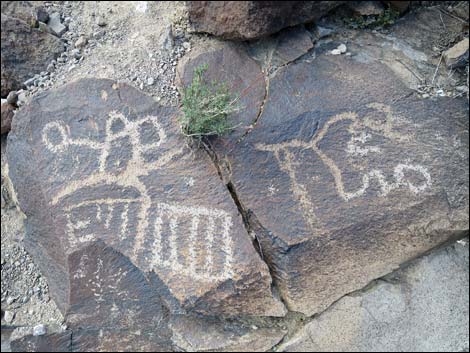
[[206, 107]]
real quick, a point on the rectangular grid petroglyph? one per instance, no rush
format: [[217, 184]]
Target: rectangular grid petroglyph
[[184, 229]]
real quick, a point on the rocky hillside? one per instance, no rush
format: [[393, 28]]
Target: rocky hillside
[[333, 216]]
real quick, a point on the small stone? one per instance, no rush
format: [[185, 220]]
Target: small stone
[[342, 48], [29, 81], [100, 21], [150, 81], [458, 88], [42, 15], [187, 45], [12, 97], [39, 330], [76, 53], [335, 52], [81, 42], [10, 300], [56, 25], [425, 96], [9, 316]]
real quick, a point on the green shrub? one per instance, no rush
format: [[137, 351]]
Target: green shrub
[[206, 107]]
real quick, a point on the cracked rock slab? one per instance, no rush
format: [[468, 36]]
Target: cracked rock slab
[[421, 308], [346, 176], [229, 64], [198, 334], [282, 48], [100, 161]]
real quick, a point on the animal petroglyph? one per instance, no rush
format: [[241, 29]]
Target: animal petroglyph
[[357, 146], [134, 215]]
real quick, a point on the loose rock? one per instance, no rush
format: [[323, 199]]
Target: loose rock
[[6, 117], [81, 42], [457, 56], [9, 316], [55, 24], [12, 97], [39, 330], [100, 21], [253, 19], [342, 48], [42, 15]]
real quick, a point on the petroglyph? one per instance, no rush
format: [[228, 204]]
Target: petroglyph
[[90, 219], [201, 225], [357, 146]]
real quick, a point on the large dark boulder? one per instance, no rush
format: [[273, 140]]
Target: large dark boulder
[[96, 161], [345, 176], [244, 20], [25, 51], [366, 178]]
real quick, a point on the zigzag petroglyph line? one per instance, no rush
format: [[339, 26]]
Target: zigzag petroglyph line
[[356, 146]]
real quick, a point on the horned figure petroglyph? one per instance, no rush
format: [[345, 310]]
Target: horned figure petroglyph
[[91, 216], [357, 146]]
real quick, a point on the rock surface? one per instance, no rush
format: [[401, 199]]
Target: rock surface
[[422, 308], [54, 342], [457, 56], [7, 110], [150, 38], [110, 166], [282, 48], [242, 75], [245, 20], [24, 51], [367, 181], [26, 11], [214, 334]]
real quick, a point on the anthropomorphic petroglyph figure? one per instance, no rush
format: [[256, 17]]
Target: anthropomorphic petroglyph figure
[[92, 216]]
